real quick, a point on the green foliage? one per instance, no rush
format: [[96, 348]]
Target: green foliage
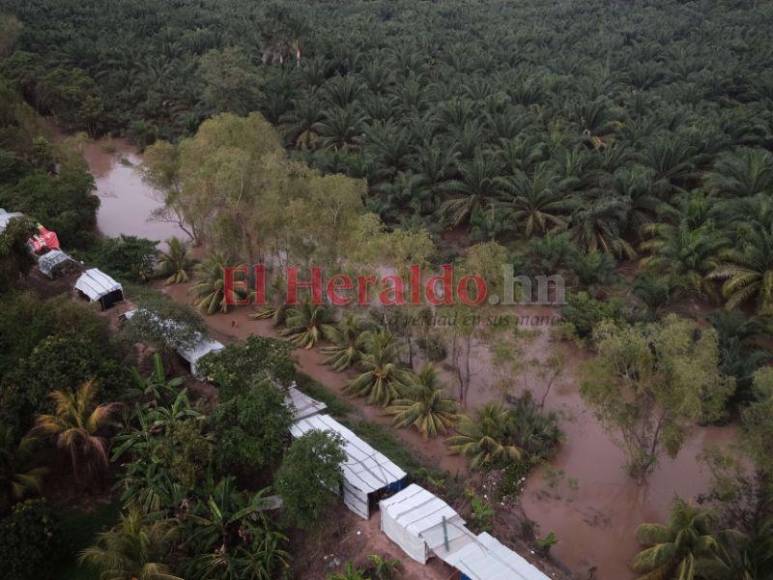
[[482, 512], [497, 436], [307, 324], [15, 258], [48, 345], [30, 542], [652, 382], [174, 262], [251, 429], [127, 258], [306, 499], [583, 312], [239, 366], [424, 404]]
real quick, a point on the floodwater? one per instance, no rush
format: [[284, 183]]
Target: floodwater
[[126, 201], [584, 495]]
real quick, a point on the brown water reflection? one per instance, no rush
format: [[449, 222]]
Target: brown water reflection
[[585, 495], [127, 201]]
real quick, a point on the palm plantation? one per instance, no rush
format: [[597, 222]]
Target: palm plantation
[[381, 378]]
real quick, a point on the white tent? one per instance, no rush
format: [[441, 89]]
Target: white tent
[[422, 524], [192, 353], [365, 471], [301, 404], [55, 261], [99, 287], [486, 558], [6, 217], [197, 351]]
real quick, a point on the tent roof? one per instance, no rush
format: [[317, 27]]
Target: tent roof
[[95, 284], [193, 353], [50, 260], [302, 405], [426, 516], [365, 468], [486, 557], [6, 217]]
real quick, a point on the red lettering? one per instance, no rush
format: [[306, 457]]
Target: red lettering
[[446, 278], [481, 290], [293, 284], [336, 283]]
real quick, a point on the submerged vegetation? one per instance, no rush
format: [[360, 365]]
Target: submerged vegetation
[[627, 147]]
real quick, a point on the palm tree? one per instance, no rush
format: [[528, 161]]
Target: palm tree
[[599, 225], [382, 376], [75, 424], [341, 128], [302, 121], [18, 477], [350, 572], [484, 438], [424, 405], [742, 174], [348, 337], [747, 270], [175, 262], [133, 550], [684, 253], [687, 548], [476, 189], [535, 201], [307, 324], [209, 289]]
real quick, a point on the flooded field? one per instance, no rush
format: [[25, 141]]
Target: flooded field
[[126, 201], [584, 496]]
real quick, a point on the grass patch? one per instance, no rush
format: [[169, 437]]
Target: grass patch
[[79, 529], [316, 390]]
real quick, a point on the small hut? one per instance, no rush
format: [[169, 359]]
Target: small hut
[[97, 286]]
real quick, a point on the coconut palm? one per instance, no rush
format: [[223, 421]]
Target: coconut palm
[[687, 548], [424, 405], [209, 289], [75, 425], [747, 270], [19, 477], [133, 550], [382, 568], [348, 336], [175, 262], [485, 437], [307, 324], [381, 376]]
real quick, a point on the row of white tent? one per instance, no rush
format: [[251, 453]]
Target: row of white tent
[[421, 523], [93, 284]]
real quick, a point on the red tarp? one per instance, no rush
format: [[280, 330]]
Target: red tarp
[[44, 240]]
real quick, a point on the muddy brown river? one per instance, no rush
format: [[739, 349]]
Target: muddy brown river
[[584, 496]]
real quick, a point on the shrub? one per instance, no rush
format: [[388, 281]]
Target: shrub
[[582, 312], [30, 542]]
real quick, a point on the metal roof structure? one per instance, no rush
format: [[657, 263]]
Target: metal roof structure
[[191, 353], [486, 558], [365, 470], [422, 524], [301, 404], [48, 262], [6, 217], [95, 284]]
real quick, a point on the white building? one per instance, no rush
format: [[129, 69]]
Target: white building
[[368, 475], [99, 287]]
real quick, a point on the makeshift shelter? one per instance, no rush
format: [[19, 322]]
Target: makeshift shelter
[[44, 241], [56, 263], [368, 475], [486, 558], [422, 524], [191, 354], [6, 217], [301, 404], [99, 287], [197, 351]]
